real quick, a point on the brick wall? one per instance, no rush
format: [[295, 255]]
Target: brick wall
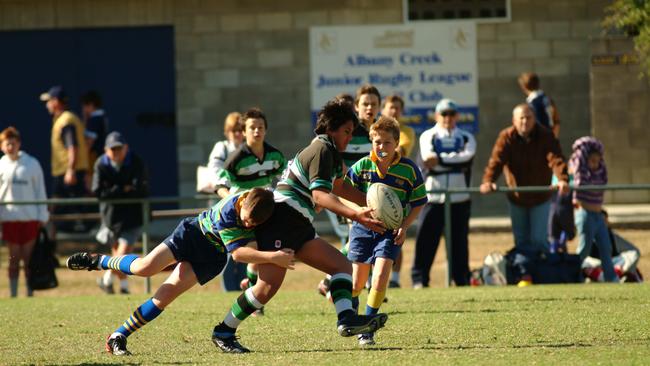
[[233, 54], [620, 101]]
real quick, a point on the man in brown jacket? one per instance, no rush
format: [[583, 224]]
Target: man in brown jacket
[[528, 154]]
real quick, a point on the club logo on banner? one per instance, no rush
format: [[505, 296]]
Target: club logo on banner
[[423, 63]]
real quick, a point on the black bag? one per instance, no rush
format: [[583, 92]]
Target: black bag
[[42, 263]]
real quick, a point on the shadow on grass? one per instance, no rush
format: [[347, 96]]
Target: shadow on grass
[[451, 311]]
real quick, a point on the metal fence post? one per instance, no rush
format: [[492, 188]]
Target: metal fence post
[[448, 235], [145, 240]]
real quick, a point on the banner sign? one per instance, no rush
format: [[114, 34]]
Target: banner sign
[[421, 62]]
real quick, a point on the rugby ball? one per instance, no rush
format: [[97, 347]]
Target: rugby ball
[[385, 204]]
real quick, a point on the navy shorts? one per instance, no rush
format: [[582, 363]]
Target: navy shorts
[[367, 245], [188, 244], [286, 228]]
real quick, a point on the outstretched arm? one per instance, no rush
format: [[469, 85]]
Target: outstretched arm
[[282, 258]]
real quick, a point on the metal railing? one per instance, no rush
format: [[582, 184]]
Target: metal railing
[[147, 202]]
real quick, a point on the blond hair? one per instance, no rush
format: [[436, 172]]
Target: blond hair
[[386, 124]]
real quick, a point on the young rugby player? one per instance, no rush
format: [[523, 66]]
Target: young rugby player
[[199, 246], [367, 248], [254, 164], [310, 183]]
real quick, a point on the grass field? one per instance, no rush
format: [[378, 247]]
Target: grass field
[[570, 324], [562, 324]]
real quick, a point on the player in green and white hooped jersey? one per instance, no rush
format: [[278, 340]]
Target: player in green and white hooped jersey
[[311, 182], [254, 164]]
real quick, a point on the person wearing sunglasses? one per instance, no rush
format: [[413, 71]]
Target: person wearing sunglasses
[[446, 154]]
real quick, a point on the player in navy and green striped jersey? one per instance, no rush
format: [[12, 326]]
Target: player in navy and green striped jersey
[[254, 164], [310, 183], [199, 245], [384, 165]]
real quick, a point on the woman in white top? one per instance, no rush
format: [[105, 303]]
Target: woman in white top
[[233, 129], [21, 179]]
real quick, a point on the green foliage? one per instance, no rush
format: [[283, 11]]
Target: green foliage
[[572, 324], [632, 17]]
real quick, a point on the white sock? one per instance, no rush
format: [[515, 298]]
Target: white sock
[[108, 278], [394, 277], [124, 284]]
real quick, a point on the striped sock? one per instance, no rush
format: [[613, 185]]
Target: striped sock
[[142, 315], [242, 308], [341, 290], [252, 277], [121, 263], [375, 298]]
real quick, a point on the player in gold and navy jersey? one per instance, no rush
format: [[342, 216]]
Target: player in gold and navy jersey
[[199, 246], [367, 247]]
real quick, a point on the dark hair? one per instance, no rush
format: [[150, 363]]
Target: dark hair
[[529, 81], [260, 203], [334, 114], [255, 113], [92, 97], [9, 133], [366, 89], [394, 99], [346, 97]]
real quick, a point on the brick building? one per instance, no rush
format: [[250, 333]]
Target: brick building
[[232, 54]]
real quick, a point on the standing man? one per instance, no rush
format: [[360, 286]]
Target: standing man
[[528, 154], [96, 124], [69, 149], [446, 153], [119, 173], [542, 106]]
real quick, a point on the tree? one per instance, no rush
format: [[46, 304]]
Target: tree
[[632, 18]]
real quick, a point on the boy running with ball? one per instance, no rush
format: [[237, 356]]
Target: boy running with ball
[[387, 166]]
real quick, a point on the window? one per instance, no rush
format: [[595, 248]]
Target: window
[[481, 10]]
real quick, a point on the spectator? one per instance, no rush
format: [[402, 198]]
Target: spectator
[[446, 153], [96, 125], [394, 107], [233, 130], [366, 105], [119, 173], [530, 154], [588, 168], [69, 152], [543, 107], [625, 257], [254, 164], [21, 179]]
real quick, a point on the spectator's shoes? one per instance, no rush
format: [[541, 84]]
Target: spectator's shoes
[[125, 291], [258, 312], [108, 289], [393, 284], [229, 344], [354, 324], [79, 261], [323, 287], [116, 345], [366, 339]]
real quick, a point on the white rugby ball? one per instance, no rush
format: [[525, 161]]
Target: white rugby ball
[[387, 207]]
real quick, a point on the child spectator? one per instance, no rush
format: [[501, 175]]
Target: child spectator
[[588, 168], [21, 179], [625, 257]]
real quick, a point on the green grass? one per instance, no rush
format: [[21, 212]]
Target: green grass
[[572, 324]]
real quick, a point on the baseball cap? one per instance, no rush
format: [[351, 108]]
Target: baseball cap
[[446, 105], [114, 139], [54, 92]]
